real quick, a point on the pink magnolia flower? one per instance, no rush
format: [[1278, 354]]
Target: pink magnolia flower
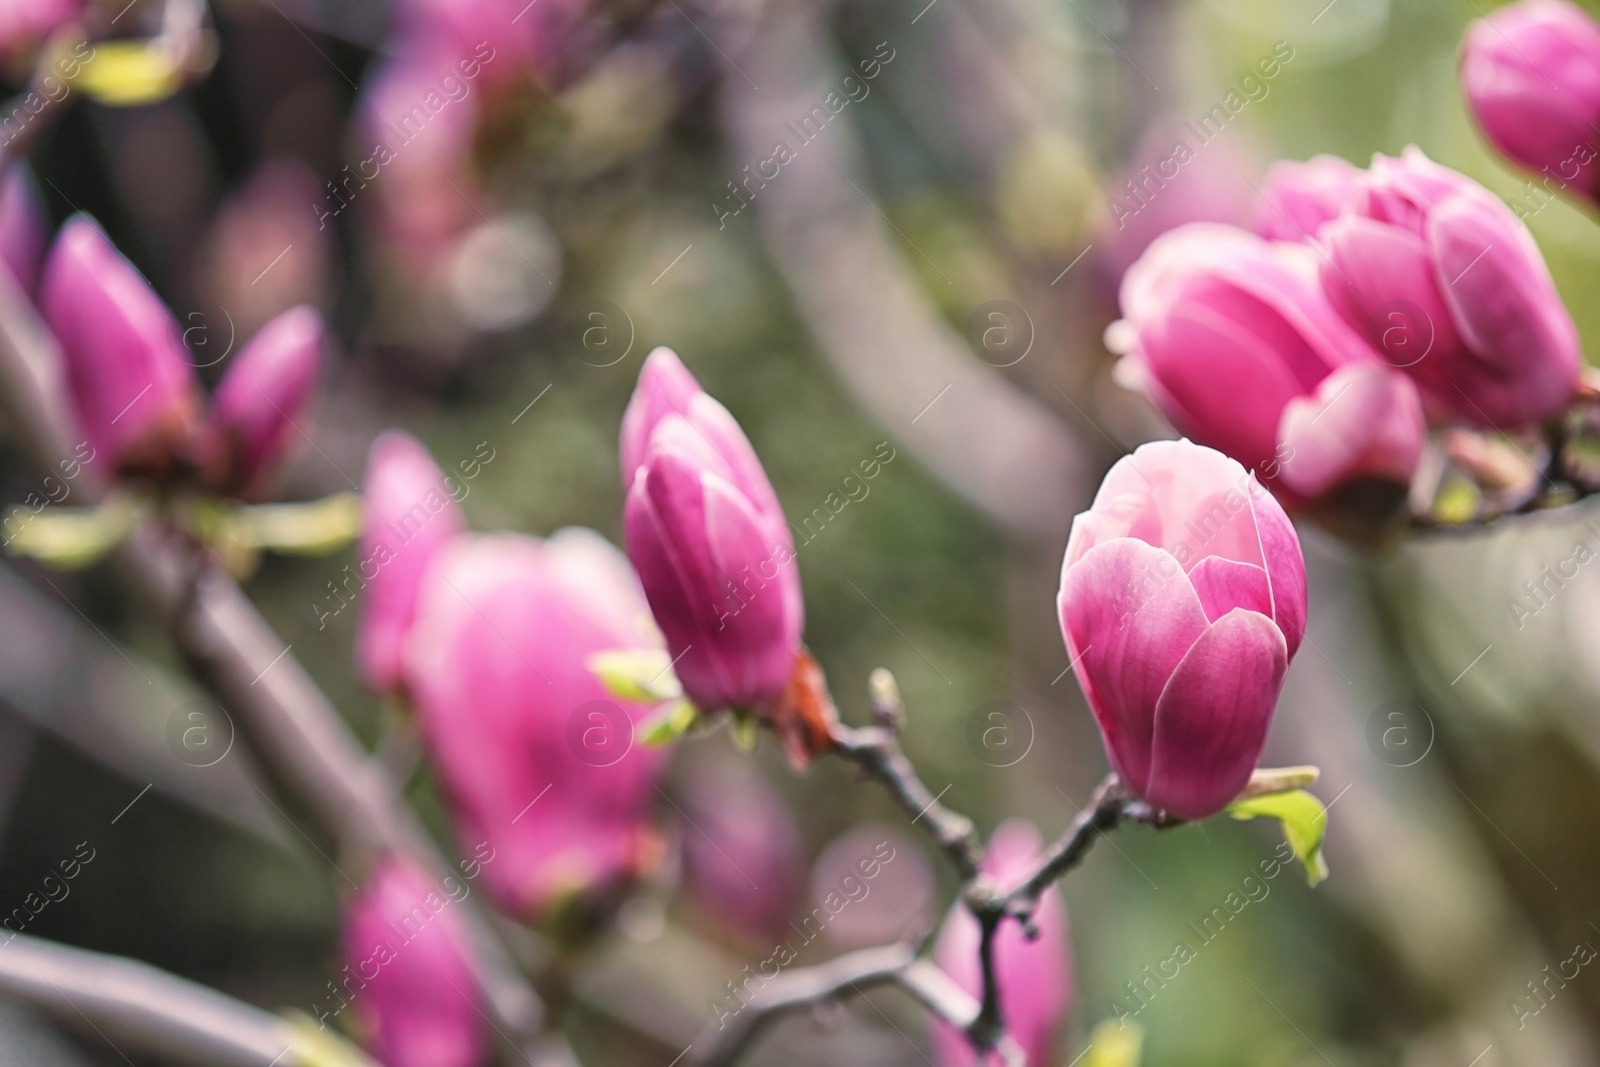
[[1297, 198], [1531, 76], [23, 231], [710, 541], [1183, 599], [407, 975], [134, 390], [1232, 338], [1036, 981], [742, 857], [533, 755], [24, 24], [1442, 259], [408, 515], [251, 420], [513, 40]]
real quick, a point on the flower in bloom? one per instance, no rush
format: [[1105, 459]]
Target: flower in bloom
[[742, 858], [408, 514], [533, 755], [1297, 198], [251, 420], [710, 541], [127, 369], [407, 975], [1183, 599], [1531, 76], [1035, 977], [1435, 260], [1232, 338]]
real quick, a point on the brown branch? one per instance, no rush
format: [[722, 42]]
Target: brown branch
[[810, 986], [140, 1008]]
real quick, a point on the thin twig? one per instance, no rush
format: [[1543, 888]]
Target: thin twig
[[721, 1045], [143, 1009], [876, 750]]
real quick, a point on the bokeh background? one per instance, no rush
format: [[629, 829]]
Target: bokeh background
[[588, 218]]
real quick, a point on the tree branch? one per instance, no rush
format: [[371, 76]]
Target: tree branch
[[137, 1007], [809, 986]]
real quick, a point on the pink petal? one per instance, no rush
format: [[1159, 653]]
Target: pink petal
[[1128, 616], [1212, 719], [665, 387], [1382, 280], [1509, 314], [1285, 565], [1223, 585], [1364, 421]]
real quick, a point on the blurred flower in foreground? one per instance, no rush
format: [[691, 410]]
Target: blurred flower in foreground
[[1531, 76], [710, 541], [132, 385], [742, 860], [1183, 599], [406, 972], [1165, 184], [23, 230], [251, 421], [1297, 198], [264, 252], [24, 24], [1234, 341], [1446, 283], [534, 757], [408, 514], [1036, 981], [135, 391]]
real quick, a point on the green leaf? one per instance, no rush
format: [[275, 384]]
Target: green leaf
[[70, 538], [672, 723], [315, 528], [638, 674], [129, 74], [312, 1046], [1304, 821], [743, 724], [1114, 1043]]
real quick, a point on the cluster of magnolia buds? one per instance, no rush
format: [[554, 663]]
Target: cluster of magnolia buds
[[1367, 307], [529, 664]]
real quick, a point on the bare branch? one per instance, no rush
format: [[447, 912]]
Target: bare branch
[[809, 986], [143, 1009], [876, 750]]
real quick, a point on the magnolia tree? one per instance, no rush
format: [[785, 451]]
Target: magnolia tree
[[1384, 351]]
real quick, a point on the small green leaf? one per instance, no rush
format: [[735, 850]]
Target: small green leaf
[[70, 538], [1114, 1043], [638, 674], [743, 724], [1304, 822], [675, 720], [315, 528]]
